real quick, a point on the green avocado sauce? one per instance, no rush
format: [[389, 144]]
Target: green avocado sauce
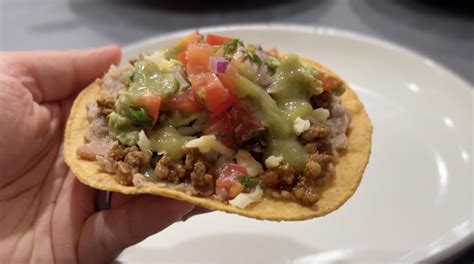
[[144, 78], [147, 77], [168, 140], [293, 85]]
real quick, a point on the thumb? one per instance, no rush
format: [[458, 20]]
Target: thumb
[[55, 75], [106, 233]]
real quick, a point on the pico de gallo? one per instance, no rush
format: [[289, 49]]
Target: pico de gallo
[[215, 117]]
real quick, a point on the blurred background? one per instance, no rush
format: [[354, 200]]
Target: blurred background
[[442, 30]]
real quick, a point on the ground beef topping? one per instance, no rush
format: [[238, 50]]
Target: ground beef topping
[[168, 170], [106, 105], [201, 172], [201, 180], [278, 176], [124, 162], [305, 193], [283, 182], [316, 131], [314, 174], [194, 164]]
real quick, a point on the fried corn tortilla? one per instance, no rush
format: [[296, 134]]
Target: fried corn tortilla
[[348, 171]]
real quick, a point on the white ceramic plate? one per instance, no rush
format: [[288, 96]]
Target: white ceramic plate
[[415, 199]]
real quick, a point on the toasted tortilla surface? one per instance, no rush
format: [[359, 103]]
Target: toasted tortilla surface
[[337, 191]]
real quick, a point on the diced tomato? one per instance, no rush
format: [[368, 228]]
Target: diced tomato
[[221, 126], [228, 179], [216, 40], [198, 58], [233, 170], [184, 102], [231, 186], [183, 43], [228, 78], [329, 83], [228, 81], [245, 122], [208, 87], [152, 104], [182, 58]]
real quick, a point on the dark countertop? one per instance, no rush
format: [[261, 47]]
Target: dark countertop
[[441, 30]]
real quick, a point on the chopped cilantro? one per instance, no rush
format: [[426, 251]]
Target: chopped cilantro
[[230, 47], [139, 115], [254, 57], [247, 182], [233, 44]]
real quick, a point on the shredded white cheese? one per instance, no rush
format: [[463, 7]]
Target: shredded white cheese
[[158, 57], [244, 199], [300, 125], [207, 143], [143, 141], [321, 114], [244, 158], [273, 162], [144, 145]]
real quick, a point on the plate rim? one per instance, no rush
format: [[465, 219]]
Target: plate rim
[[321, 30], [447, 251]]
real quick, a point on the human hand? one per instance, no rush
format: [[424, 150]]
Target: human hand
[[46, 215]]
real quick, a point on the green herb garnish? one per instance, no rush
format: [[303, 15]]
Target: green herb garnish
[[139, 115], [254, 57], [230, 47], [247, 182]]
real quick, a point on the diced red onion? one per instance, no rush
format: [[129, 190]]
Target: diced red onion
[[263, 77], [222, 193], [252, 66], [260, 53], [218, 64]]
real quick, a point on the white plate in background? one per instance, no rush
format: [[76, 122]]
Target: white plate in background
[[415, 199]]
